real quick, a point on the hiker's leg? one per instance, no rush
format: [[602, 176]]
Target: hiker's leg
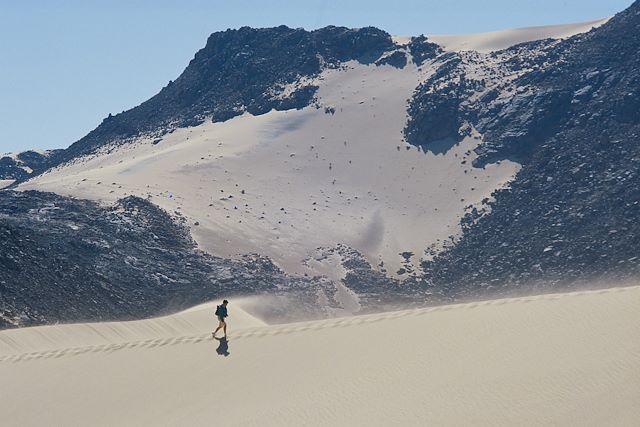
[[224, 328], [220, 323]]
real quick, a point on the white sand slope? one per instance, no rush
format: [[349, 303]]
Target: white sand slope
[[567, 359], [287, 182], [497, 40], [6, 182], [199, 319]]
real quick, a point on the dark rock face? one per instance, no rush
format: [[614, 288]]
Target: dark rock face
[[35, 160], [481, 90], [435, 107], [9, 169], [18, 168], [421, 49], [235, 72], [396, 59], [521, 96], [571, 215], [63, 259]]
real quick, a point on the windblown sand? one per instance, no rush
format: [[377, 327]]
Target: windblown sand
[[565, 359], [502, 39]]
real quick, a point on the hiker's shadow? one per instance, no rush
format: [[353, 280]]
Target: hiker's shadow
[[223, 348]]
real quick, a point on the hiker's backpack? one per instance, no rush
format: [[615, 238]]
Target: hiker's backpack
[[217, 310]]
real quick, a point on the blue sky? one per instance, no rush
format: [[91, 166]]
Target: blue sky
[[66, 65]]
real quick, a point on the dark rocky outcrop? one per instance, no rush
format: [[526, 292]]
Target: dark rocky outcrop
[[434, 111], [25, 164], [422, 49], [64, 259], [571, 215], [10, 169], [396, 59], [530, 92]]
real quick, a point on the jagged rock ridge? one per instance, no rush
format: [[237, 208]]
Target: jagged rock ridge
[[570, 215]]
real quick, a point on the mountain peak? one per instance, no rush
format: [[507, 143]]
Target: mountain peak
[[233, 73]]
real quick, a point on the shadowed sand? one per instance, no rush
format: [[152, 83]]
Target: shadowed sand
[[566, 359]]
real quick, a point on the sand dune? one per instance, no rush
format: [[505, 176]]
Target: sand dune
[[566, 359], [196, 320], [496, 40]]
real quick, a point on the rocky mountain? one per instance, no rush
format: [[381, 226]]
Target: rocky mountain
[[268, 171], [572, 118], [239, 71], [365, 171]]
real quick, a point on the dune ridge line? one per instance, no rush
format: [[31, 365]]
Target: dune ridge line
[[263, 331]]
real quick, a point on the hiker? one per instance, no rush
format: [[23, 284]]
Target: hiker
[[221, 312]]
